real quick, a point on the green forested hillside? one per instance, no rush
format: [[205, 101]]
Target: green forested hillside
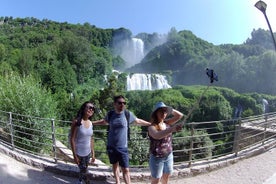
[[48, 69], [74, 62], [249, 67]]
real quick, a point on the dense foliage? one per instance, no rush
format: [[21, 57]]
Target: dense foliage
[[48, 69], [249, 67], [26, 96]]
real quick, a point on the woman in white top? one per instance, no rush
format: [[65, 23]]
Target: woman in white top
[[82, 143]]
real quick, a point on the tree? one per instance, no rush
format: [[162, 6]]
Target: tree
[[202, 145], [2, 51], [261, 37], [118, 63], [26, 96]]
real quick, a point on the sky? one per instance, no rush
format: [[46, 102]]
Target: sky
[[216, 21]]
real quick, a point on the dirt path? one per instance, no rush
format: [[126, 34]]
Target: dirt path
[[254, 170]]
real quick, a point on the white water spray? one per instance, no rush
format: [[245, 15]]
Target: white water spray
[[139, 81]]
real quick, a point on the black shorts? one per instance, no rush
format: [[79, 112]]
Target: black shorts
[[118, 155], [84, 161]]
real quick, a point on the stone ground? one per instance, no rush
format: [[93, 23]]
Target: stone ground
[[260, 169]]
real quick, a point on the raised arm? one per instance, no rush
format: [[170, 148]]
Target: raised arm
[[176, 117]]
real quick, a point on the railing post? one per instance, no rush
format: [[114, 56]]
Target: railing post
[[191, 145], [265, 127], [54, 140], [237, 137], [11, 130]]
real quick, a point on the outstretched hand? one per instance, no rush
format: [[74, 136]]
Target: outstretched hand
[[181, 123], [177, 127]]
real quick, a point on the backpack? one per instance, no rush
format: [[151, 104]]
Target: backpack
[[77, 124], [127, 114]]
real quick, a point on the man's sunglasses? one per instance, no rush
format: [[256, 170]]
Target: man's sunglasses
[[120, 103]]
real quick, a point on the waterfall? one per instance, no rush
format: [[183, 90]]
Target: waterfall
[[133, 51], [138, 47], [139, 81]]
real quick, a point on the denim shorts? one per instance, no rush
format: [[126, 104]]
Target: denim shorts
[[160, 166], [118, 155]]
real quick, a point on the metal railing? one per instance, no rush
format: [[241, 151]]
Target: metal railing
[[46, 137]]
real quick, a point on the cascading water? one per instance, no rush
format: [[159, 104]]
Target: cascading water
[[138, 47], [139, 81], [133, 51]]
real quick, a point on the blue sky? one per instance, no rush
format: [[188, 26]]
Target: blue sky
[[216, 21]]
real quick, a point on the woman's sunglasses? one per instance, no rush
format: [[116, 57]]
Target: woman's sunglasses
[[163, 110], [91, 108]]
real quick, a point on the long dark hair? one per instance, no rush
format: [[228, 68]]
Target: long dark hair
[[81, 112], [154, 119]]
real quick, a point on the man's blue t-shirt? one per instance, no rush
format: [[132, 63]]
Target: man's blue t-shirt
[[117, 136]]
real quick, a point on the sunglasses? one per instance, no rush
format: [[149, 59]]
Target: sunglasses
[[121, 103], [91, 108], [163, 110]]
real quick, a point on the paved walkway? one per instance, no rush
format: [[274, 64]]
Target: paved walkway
[[255, 170], [260, 169]]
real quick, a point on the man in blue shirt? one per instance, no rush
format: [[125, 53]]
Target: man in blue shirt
[[117, 139]]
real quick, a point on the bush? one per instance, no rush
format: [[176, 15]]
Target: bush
[[202, 145], [25, 96]]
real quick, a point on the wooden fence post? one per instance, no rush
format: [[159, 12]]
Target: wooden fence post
[[191, 146]]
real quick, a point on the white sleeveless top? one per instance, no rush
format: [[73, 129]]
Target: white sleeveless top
[[83, 140]]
